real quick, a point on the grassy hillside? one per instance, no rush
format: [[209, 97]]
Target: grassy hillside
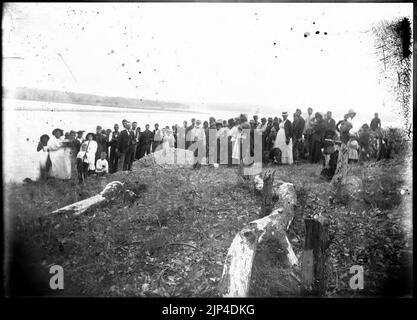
[[173, 240]]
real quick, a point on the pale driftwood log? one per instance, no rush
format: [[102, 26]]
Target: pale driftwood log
[[239, 260], [110, 192]]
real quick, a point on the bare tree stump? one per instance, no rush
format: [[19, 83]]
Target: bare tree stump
[[239, 260], [313, 267], [267, 194], [340, 175], [110, 192]]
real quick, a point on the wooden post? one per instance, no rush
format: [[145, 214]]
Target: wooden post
[[267, 194], [313, 265]]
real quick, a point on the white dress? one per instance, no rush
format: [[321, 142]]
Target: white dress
[[280, 142], [43, 157], [168, 141], [91, 154], [60, 159], [235, 138]]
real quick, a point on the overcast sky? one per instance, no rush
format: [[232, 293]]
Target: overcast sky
[[213, 53]]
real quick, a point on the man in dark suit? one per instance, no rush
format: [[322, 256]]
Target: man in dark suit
[[114, 141], [135, 141], [124, 147], [145, 141], [297, 134], [78, 141]]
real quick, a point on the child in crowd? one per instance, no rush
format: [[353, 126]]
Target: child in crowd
[[82, 163], [102, 166], [353, 146]]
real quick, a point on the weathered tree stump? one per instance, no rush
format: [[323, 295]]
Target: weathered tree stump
[[113, 190], [267, 194], [239, 260], [313, 267], [340, 175]]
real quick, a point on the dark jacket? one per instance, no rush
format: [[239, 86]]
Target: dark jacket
[[330, 125], [288, 129], [298, 128], [125, 140], [114, 139], [146, 137], [375, 124]]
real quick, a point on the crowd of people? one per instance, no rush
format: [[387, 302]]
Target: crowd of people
[[313, 137]]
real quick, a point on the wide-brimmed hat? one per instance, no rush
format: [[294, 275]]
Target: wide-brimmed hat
[[285, 113], [219, 121], [351, 112], [57, 129], [92, 134]]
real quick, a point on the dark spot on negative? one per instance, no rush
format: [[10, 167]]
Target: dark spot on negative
[[325, 33], [123, 64], [317, 32]]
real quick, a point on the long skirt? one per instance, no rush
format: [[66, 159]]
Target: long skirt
[[61, 163]]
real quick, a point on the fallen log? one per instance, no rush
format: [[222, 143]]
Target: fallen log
[[239, 260], [110, 192]]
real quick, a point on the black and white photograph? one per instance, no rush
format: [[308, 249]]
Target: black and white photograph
[[207, 150]]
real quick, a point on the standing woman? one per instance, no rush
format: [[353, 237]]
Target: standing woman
[[91, 152], [283, 140], [44, 164], [59, 155]]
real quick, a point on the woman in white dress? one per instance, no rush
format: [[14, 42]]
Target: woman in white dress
[[58, 153], [235, 134], [281, 143], [91, 151]]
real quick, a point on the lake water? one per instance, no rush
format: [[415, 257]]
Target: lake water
[[25, 121]]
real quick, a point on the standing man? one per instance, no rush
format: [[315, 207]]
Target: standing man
[[157, 137], [188, 138], [297, 134], [255, 118], [78, 141], [124, 143], [130, 155], [308, 132], [375, 123], [135, 141], [330, 124], [101, 140], [114, 138], [145, 141]]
